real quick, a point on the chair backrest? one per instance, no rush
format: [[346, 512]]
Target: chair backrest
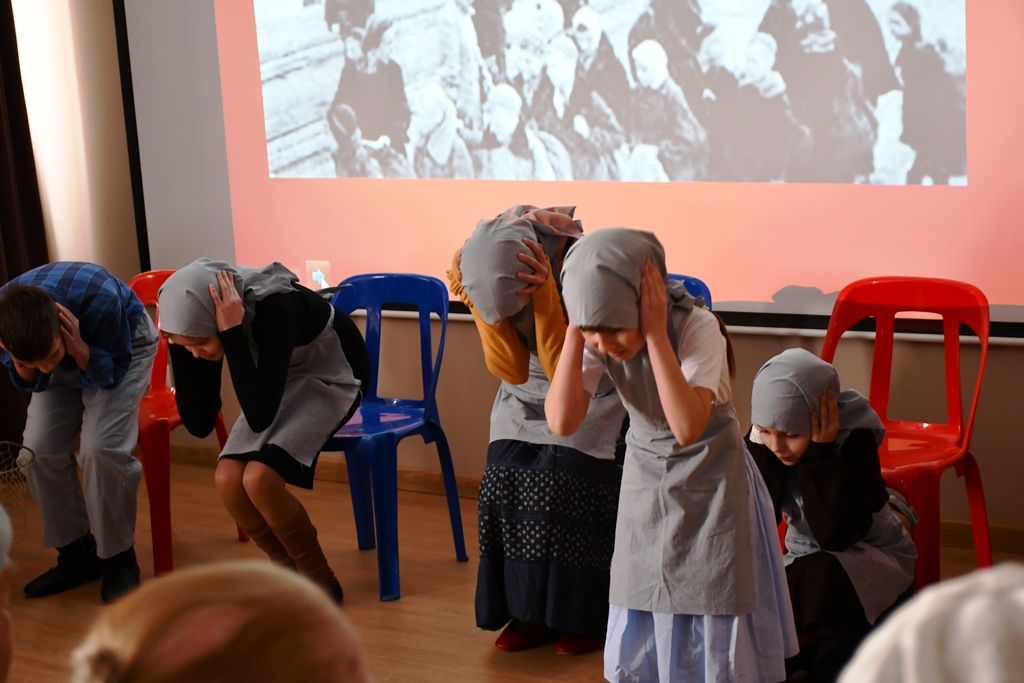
[[882, 298], [146, 286], [371, 292], [695, 286]]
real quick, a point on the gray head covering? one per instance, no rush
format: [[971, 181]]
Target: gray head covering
[[185, 304], [789, 387], [490, 257], [601, 278]]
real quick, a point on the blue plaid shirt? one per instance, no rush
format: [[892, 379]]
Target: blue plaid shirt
[[107, 310]]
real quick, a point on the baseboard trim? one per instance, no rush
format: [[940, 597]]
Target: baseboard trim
[[1004, 539], [331, 467]]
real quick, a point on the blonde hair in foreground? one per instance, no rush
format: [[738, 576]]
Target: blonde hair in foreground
[[231, 621]]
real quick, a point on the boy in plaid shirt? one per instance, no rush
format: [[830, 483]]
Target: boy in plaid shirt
[[81, 341]]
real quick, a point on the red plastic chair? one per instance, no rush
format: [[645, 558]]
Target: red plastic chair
[[158, 415], [915, 454]]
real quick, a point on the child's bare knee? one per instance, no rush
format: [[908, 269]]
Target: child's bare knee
[[261, 483]]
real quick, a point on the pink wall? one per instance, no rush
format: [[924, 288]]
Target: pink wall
[[746, 240]]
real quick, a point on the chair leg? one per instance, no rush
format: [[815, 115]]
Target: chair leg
[[362, 499], [922, 492], [383, 458], [968, 469], [155, 445], [444, 456]]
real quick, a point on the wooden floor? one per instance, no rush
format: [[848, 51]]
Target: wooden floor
[[427, 635]]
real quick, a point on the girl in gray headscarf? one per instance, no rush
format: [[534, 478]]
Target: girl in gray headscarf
[[698, 591], [296, 366], [547, 503], [848, 556]]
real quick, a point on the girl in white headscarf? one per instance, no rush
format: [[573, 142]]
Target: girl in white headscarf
[[698, 592], [848, 556], [296, 365], [547, 502]]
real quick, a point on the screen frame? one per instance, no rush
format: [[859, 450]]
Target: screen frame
[[737, 319]]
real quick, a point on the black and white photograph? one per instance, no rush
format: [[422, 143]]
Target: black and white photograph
[[804, 91]]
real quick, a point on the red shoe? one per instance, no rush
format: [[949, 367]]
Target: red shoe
[[578, 645], [516, 637]]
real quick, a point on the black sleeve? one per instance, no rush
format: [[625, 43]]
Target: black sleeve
[[772, 471], [196, 389], [259, 387], [841, 489]]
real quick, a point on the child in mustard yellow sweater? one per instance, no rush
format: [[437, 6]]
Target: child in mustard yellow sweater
[[547, 503]]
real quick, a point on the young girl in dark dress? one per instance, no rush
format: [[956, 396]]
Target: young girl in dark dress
[[848, 556], [295, 364]]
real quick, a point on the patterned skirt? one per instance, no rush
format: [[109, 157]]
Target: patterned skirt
[[547, 531]]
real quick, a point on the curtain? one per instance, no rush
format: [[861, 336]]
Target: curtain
[[22, 232]]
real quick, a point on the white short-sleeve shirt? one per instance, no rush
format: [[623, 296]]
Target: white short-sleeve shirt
[[701, 352]]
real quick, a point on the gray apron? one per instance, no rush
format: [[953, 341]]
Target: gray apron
[[682, 537], [518, 411], [318, 392], [319, 387], [880, 567]]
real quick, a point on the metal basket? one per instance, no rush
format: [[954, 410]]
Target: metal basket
[[15, 461]]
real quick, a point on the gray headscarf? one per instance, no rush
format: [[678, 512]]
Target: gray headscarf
[[185, 304], [789, 387], [490, 257], [601, 278]]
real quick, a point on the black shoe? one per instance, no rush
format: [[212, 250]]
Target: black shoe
[[120, 575], [76, 564], [336, 593]]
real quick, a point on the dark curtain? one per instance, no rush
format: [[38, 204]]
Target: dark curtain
[[22, 235]]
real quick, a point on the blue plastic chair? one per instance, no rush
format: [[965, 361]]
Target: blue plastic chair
[[695, 286], [370, 439]]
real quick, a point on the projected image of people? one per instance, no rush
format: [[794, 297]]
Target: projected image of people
[[807, 91]]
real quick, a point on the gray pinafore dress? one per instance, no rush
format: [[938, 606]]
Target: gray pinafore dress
[[880, 566], [518, 411], [682, 540], [319, 389], [698, 590]]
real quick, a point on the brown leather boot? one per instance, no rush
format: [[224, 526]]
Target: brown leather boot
[[267, 541], [298, 536]]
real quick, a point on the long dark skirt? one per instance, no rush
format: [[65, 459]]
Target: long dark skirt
[[547, 530], [829, 616]]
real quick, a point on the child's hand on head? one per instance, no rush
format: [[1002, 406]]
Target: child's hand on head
[[539, 270], [72, 335], [227, 303], [653, 303], [825, 422]]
